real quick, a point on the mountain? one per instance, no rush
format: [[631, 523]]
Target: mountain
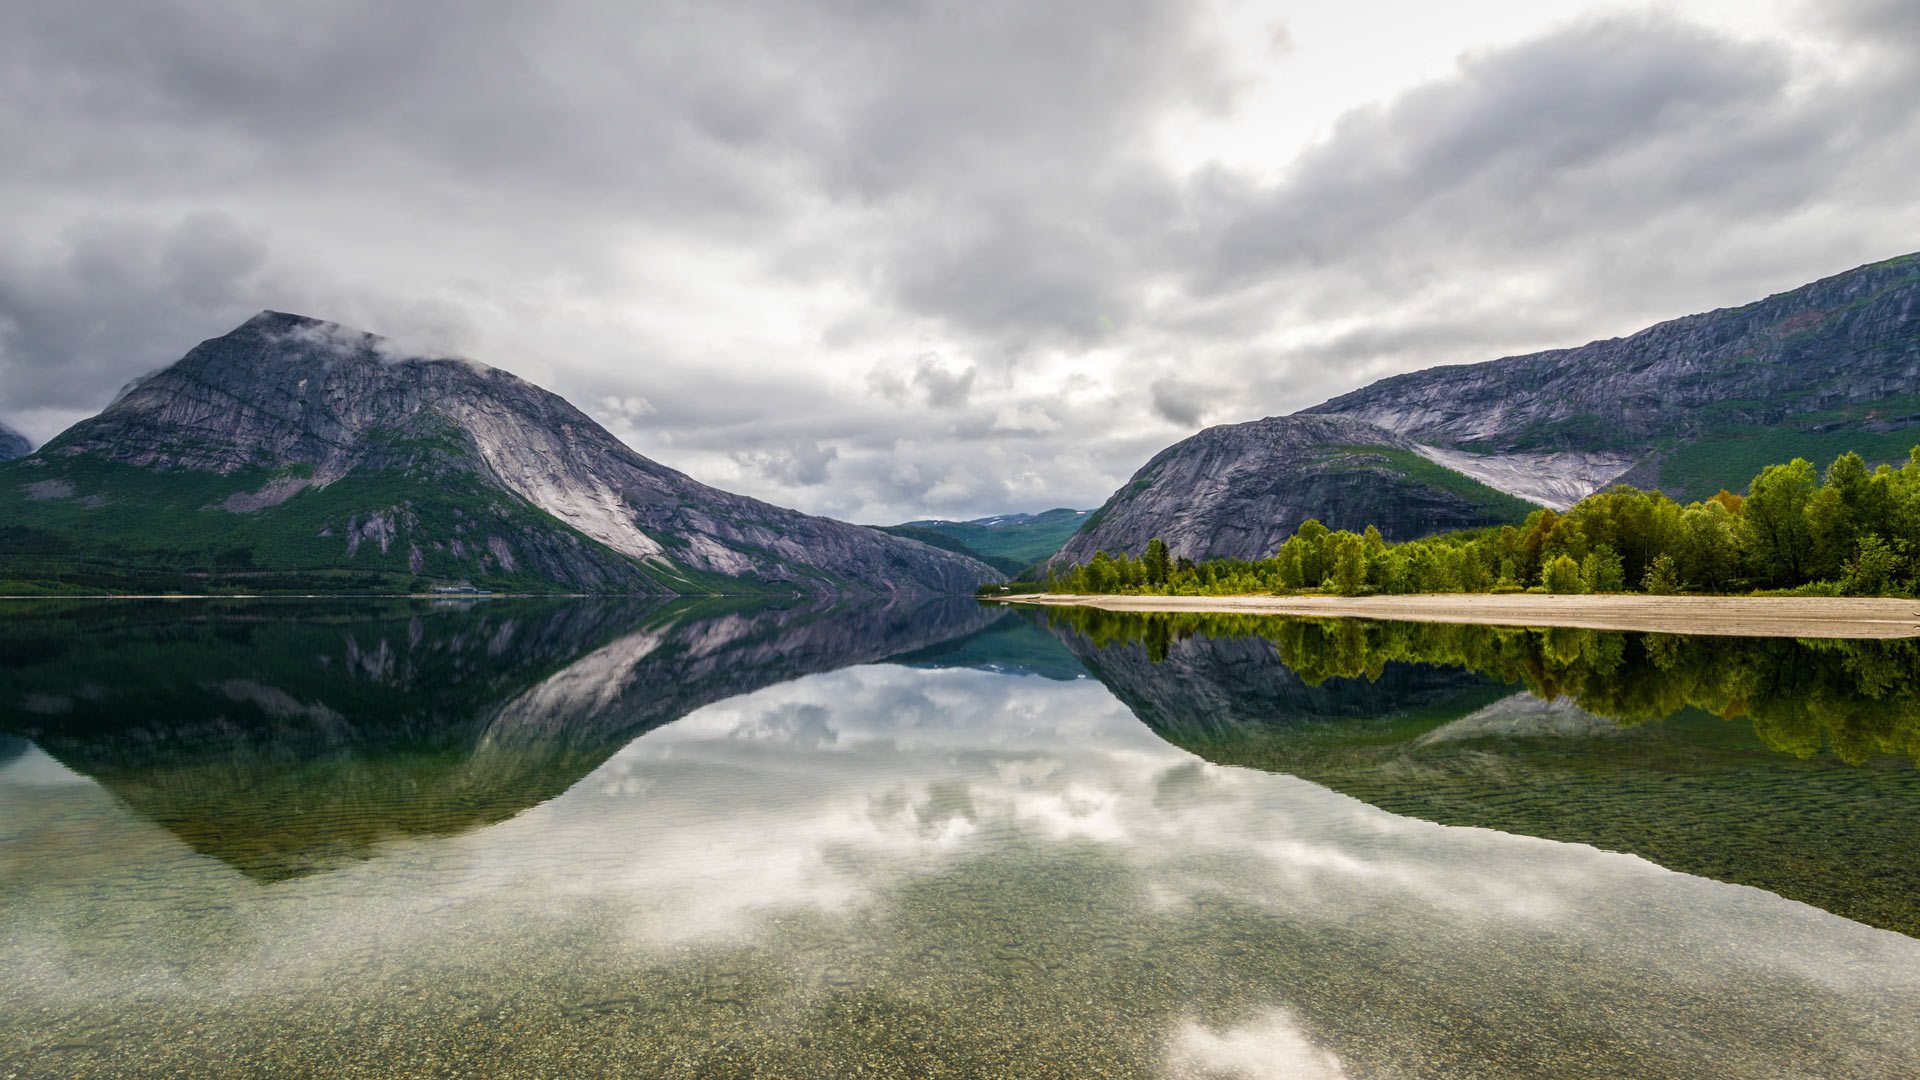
[[13, 444], [1691, 405], [1238, 490], [1011, 542], [1688, 406], [296, 453]]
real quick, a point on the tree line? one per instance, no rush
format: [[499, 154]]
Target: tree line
[[1853, 532]]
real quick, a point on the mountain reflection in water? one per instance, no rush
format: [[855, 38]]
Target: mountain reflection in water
[[281, 743], [1783, 764], [701, 839]]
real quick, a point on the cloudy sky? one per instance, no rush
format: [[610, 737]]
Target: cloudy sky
[[887, 260]]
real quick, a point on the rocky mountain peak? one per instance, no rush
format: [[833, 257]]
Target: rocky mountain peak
[[1238, 490], [1690, 405], [303, 403], [1841, 343]]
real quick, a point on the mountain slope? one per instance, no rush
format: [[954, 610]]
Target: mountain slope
[[1011, 542], [296, 446], [1236, 491], [1700, 402], [13, 444], [1690, 406]]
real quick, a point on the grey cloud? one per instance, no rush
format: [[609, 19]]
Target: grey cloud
[[982, 176], [943, 386], [118, 298], [1888, 24], [929, 378], [1179, 402], [1523, 146], [803, 464]]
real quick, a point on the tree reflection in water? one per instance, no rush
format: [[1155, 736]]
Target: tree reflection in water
[[1782, 764]]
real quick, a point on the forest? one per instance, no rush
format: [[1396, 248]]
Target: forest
[[1853, 532]]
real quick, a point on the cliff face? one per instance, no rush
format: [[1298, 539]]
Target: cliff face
[[13, 444], [1842, 348], [289, 407], [1237, 491]]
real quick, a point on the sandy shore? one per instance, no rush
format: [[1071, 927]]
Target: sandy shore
[[1745, 616]]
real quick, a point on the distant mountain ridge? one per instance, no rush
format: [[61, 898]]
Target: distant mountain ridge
[[1010, 542], [294, 446], [1689, 406], [13, 444]]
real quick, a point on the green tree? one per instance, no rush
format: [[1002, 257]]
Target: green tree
[[1562, 575], [1159, 565], [1663, 576], [1709, 545], [1102, 575], [1871, 570], [1313, 562], [1603, 570], [1779, 540], [1349, 558]]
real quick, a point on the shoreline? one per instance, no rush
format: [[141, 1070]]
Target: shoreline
[[1730, 616]]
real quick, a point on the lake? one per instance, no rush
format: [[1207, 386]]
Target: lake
[[712, 838]]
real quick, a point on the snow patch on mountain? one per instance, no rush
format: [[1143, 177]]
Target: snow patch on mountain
[[540, 467], [1556, 480]]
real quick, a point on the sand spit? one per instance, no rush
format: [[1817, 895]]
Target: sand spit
[[1743, 616]]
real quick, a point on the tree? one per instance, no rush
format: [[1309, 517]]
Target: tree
[[1872, 568], [1709, 545], [1312, 537], [1102, 576], [1663, 577], [1603, 571], [1562, 575], [1349, 559], [1779, 540], [1159, 563]]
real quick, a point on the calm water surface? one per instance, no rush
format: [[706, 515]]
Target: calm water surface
[[705, 839]]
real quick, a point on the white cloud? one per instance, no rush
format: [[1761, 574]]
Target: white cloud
[[1270, 1048]]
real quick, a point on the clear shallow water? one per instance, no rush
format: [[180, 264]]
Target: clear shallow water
[[705, 841]]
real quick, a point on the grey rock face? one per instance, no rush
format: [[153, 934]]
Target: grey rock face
[[1846, 341], [13, 444], [1239, 490], [286, 390]]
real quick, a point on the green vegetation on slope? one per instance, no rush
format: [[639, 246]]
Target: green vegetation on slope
[[1496, 503], [1855, 533], [1729, 458], [84, 524], [945, 542], [1010, 546]]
